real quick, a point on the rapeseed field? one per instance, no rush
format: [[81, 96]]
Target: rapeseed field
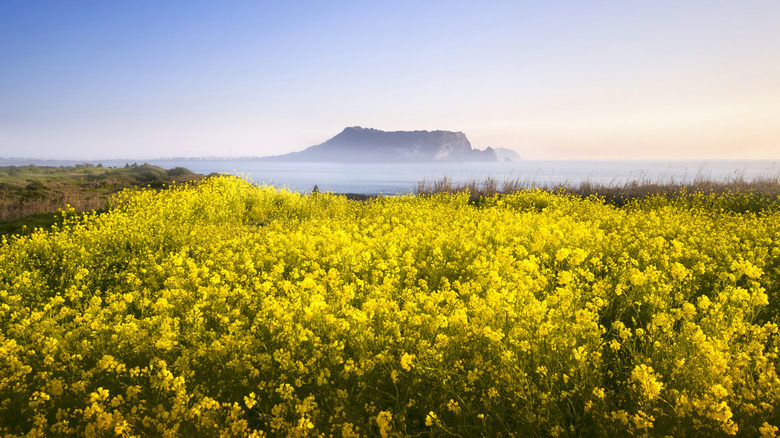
[[225, 309]]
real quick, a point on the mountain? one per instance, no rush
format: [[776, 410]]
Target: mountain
[[356, 144]]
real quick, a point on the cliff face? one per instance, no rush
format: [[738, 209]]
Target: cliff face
[[358, 144]]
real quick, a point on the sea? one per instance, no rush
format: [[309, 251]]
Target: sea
[[404, 178]]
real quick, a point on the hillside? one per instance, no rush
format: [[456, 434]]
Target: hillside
[[35, 190]]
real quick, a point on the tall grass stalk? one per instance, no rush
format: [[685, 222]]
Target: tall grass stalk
[[616, 192]]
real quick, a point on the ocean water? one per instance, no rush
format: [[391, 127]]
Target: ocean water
[[402, 178]]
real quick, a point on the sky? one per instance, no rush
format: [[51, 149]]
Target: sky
[[682, 79]]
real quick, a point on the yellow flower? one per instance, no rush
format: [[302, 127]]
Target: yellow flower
[[250, 400], [385, 422], [767, 430], [406, 361], [645, 377]]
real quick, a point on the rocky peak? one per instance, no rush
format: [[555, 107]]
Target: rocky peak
[[368, 145]]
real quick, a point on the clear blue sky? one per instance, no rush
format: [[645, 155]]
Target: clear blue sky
[[558, 79]]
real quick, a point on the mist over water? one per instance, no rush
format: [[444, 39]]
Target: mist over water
[[392, 179], [402, 178]]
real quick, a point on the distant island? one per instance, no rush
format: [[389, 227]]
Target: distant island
[[352, 145], [356, 144]]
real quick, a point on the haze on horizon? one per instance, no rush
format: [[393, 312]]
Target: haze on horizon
[[550, 80]]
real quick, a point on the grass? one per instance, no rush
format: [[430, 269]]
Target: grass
[[31, 196], [616, 193], [26, 225]]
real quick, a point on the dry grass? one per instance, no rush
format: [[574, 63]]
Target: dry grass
[[32, 190], [615, 192], [15, 204]]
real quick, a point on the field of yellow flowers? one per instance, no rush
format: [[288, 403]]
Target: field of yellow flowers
[[227, 309]]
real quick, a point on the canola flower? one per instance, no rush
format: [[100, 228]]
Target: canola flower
[[226, 309]]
